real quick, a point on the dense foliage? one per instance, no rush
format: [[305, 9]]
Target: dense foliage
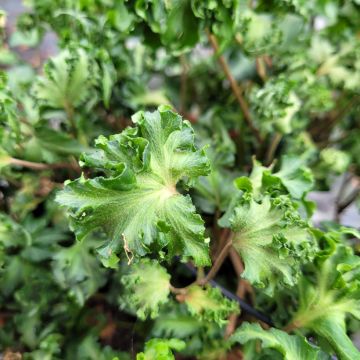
[[155, 174]]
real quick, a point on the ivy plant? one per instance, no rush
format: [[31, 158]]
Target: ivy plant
[[159, 162]]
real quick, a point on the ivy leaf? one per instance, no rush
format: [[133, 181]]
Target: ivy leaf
[[137, 203], [292, 347], [329, 293], [208, 304], [67, 80], [175, 321], [161, 349], [294, 176], [146, 288], [272, 240], [77, 271]]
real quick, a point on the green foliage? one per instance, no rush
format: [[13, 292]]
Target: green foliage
[[67, 81], [160, 349], [289, 346], [268, 232], [208, 304], [138, 204], [147, 287], [329, 293], [242, 108]]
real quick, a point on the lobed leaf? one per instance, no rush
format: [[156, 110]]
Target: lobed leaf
[[137, 203]]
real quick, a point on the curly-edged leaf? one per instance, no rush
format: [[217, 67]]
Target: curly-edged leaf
[[89, 347], [173, 322], [13, 234], [334, 160], [208, 304], [271, 239], [77, 270], [8, 107], [147, 287], [334, 331], [137, 203], [67, 80], [57, 142], [174, 21], [161, 349], [294, 176], [292, 347], [329, 292]]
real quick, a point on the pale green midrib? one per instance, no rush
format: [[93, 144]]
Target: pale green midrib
[[148, 188], [273, 343], [250, 231], [318, 309], [248, 238]]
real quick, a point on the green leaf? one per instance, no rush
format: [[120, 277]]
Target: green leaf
[[328, 293], [209, 304], [67, 80], [57, 142], [137, 203], [173, 322], [77, 271], [292, 347], [161, 349], [146, 288], [294, 175], [271, 239], [334, 331]]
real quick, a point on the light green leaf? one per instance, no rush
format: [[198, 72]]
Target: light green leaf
[[209, 304], [146, 288], [137, 203], [161, 349], [66, 81], [271, 239], [329, 293], [292, 347], [295, 176], [77, 271]]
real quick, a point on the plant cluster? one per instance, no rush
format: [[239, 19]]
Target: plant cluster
[[155, 175]]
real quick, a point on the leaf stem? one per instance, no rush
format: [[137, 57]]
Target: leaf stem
[[272, 148], [235, 87], [291, 327], [217, 264], [183, 84]]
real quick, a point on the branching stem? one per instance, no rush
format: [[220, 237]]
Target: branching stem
[[235, 87]]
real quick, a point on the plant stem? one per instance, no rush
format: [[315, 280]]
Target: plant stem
[[261, 68], [69, 110], [177, 291], [272, 148], [235, 87], [231, 326], [217, 264], [40, 166], [183, 84], [290, 327], [236, 261]]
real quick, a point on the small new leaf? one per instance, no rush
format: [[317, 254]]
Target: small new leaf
[[209, 304], [161, 349], [146, 288]]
